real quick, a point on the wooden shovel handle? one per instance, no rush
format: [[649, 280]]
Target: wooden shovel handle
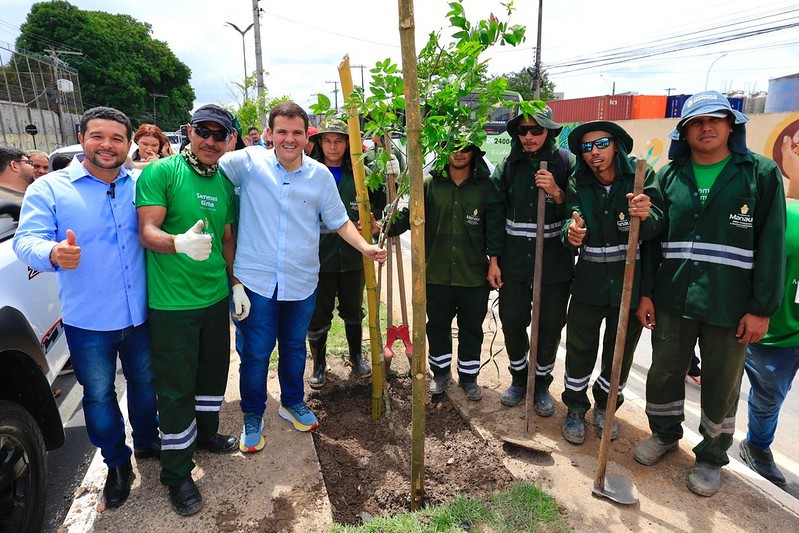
[[621, 330]]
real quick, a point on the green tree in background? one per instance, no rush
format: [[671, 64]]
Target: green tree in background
[[249, 109], [522, 82], [122, 66]]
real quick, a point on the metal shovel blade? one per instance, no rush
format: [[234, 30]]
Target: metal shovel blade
[[619, 489], [526, 442]]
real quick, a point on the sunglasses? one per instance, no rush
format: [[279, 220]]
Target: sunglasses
[[218, 135], [535, 130], [601, 143]]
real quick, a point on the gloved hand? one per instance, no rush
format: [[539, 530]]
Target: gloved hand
[[241, 303], [194, 243], [392, 166]]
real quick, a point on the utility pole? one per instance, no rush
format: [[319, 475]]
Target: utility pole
[[335, 92], [54, 56], [259, 66], [363, 89], [243, 50], [668, 91], [537, 77], [155, 97]]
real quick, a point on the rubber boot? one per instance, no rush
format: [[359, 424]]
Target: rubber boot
[[318, 352], [354, 342]]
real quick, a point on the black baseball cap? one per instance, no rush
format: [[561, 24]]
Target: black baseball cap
[[213, 113]]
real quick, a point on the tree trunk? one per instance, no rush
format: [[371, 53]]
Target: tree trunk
[[419, 363], [359, 175]]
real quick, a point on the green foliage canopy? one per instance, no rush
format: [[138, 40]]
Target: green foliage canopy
[[122, 66], [522, 82]]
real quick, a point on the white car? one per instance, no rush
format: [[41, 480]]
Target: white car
[[33, 349]]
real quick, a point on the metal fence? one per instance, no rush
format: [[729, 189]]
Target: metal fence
[[37, 93]]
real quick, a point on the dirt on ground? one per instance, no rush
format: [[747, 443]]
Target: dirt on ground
[[366, 465]]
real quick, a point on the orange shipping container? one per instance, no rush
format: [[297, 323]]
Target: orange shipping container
[[648, 106]]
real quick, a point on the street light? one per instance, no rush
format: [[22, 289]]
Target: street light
[[711, 66], [243, 50], [155, 97]]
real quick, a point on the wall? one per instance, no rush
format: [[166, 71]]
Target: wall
[[14, 117]]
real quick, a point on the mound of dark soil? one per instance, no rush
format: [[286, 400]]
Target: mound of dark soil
[[366, 465]]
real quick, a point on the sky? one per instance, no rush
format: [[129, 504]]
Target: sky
[[304, 41]]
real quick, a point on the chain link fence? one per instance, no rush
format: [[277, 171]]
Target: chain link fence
[[37, 93]]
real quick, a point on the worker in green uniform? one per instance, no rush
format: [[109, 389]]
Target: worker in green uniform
[[341, 265], [457, 206], [518, 180], [188, 296], [600, 198], [720, 279]]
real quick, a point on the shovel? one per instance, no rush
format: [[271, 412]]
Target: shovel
[[527, 440], [618, 488]]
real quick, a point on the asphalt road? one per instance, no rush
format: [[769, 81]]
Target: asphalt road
[[68, 465]]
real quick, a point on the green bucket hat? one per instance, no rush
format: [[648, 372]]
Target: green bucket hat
[[333, 125], [543, 117], [622, 137]]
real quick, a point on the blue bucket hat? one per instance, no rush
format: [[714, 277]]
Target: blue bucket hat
[[709, 104]]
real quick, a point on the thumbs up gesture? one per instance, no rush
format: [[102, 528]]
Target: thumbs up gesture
[[66, 254], [194, 243], [577, 230]]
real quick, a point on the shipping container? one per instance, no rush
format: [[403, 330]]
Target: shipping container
[[649, 106], [674, 104], [783, 94], [756, 103], [615, 107], [737, 102]]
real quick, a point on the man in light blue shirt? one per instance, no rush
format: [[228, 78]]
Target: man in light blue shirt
[[285, 196], [81, 223]]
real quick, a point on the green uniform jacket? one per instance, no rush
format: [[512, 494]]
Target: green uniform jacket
[[599, 273], [512, 230], [783, 329], [728, 258], [455, 228], [335, 255]]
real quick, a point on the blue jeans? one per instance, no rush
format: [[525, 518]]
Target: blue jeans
[[770, 371], [94, 358], [271, 321]]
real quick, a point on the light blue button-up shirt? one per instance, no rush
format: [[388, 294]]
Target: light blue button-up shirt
[[108, 290], [280, 216]]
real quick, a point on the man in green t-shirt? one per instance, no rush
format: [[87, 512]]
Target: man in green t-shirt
[[188, 296]]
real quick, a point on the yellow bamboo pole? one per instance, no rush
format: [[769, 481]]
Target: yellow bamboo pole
[[413, 116], [359, 173]]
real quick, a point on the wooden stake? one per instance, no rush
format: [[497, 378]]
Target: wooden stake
[[359, 173], [410, 77]]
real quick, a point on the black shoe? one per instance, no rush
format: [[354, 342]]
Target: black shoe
[[153, 450], [762, 462], [185, 498], [117, 485], [574, 428], [219, 443], [543, 403]]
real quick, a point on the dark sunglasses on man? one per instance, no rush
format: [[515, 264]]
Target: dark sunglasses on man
[[535, 130], [601, 143], [218, 135]]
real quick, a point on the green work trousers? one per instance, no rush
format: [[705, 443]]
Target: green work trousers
[[469, 305], [582, 345], [191, 355], [722, 357], [348, 288], [515, 306]]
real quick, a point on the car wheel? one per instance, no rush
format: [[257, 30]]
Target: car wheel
[[23, 468]]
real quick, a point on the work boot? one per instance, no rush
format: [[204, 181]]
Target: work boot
[[543, 402], [762, 462], [319, 354], [439, 384], [513, 395], [354, 342], [704, 479], [652, 449], [574, 428], [599, 423], [473, 391]]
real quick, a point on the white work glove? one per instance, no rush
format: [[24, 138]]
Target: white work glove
[[241, 304], [194, 243], [392, 166]]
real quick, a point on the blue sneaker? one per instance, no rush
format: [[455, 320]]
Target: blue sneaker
[[251, 440], [299, 415]]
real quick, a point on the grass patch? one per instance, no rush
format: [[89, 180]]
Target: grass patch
[[522, 507]]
